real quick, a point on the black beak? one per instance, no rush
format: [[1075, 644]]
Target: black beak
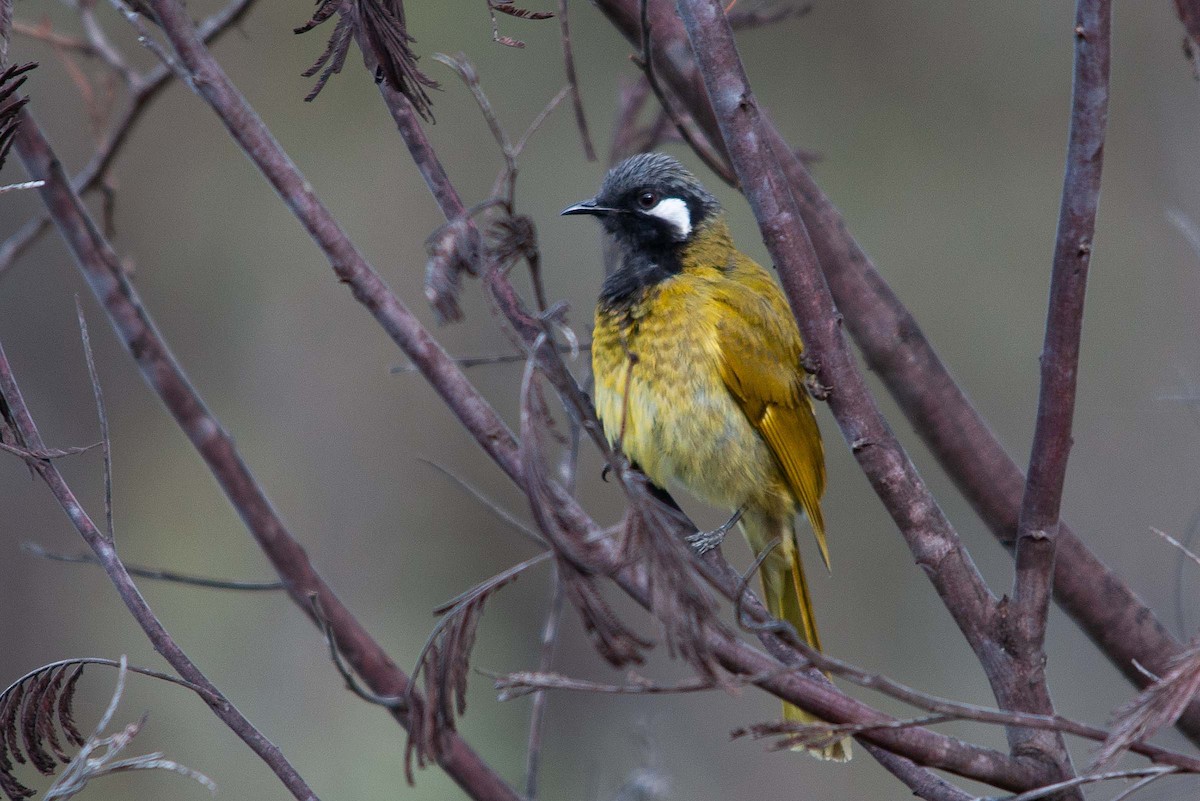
[[589, 207]]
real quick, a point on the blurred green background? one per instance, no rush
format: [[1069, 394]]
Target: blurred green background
[[942, 125]]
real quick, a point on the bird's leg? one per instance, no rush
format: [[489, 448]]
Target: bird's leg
[[704, 541]]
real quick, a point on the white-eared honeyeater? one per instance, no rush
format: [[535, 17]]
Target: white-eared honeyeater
[[699, 378]]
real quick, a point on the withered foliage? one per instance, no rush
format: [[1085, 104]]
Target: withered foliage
[[444, 666], [749, 18], [512, 10], [451, 252], [33, 713], [1158, 706], [793, 734], [11, 104], [384, 28], [654, 535], [612, 639]]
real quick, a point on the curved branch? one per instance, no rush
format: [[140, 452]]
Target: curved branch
[[1037, 532]]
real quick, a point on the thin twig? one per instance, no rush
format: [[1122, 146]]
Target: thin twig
[[1091, 778], [50, 453], [398, 702], [1037, 529], [42, 32], [102, 414], [1183, 549], [98, 660], [585, 138], [537, 713], [479, 361], [20, 186], [923, 783], [156, 574], [492, 506], [700, 146]]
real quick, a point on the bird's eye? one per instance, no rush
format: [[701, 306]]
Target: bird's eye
[[647, 200]]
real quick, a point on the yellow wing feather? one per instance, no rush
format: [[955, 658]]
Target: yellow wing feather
[[763, 372]]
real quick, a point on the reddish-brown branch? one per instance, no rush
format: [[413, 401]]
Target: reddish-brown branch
[[929, 534], [1189, 15], [133, 325], [159, 637], [1037, 532], [895, 348]]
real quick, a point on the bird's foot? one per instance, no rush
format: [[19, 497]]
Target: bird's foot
[[816, 389], [704, 541]]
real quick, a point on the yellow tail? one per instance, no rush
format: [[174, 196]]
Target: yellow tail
[[786, 595]]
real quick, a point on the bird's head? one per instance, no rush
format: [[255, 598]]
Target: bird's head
[[653, 208], [650, 201]]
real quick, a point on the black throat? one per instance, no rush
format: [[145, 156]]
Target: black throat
[[640, 269]]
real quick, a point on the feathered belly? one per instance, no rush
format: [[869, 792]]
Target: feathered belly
[[679, 423]]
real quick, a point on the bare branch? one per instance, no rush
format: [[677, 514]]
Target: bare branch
[[1177, 544], [1037, 530], [585, 137], [537, 715], [931, 538], [102, 546], [155, 573], [702, 147], [1091, 778], [102, 414]]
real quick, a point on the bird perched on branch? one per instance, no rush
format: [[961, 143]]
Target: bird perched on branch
[[699, 378]]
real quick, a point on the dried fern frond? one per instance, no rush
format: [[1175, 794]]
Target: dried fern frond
[[444, 663], [1157, 706], [37, 727], [619, 645], [382, 23], [33, 712], [10, 104], [511, 10], [654, 533]]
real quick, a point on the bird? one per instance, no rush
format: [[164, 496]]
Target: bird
[[700, 380]]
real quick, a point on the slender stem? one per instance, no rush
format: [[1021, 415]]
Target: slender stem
[[924, 784], [1037, 531], [537, 715], [585, 137], [929, 534]]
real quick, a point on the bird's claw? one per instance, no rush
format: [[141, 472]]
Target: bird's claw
[[704, 541], [816, 389]]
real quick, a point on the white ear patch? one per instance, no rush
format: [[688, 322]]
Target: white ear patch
[[675, 212]]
